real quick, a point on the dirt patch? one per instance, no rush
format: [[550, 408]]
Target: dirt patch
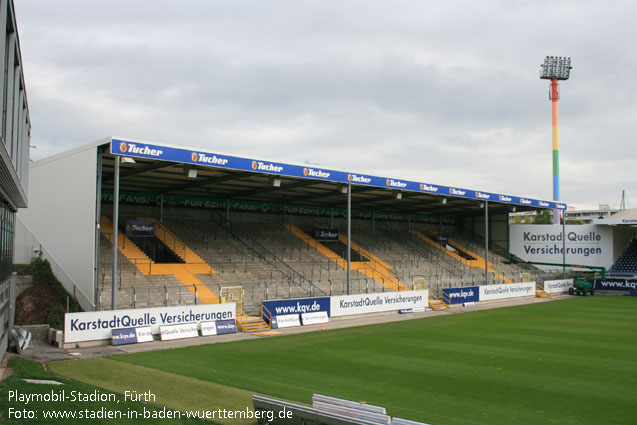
[[21, 269], [34, 305], [5, 368]]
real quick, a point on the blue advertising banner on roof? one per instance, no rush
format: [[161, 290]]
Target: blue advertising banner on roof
[[197, 157]]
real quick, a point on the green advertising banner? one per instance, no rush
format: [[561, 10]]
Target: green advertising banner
[[179, 201]]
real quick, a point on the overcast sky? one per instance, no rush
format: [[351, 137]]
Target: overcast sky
[[439, 92]]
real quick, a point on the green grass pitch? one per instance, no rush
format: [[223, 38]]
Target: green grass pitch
[[562, 362]]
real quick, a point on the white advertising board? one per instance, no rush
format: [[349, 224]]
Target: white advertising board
[[285, 321], [208, 328], [314, 318], [96, 325], [144, 334], [585, 244], [346, 305], [557, 286], [507, 290], [185, 330]]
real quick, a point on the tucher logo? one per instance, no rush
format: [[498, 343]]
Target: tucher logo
[[261, 166], [428, 188], [505, 198], [544, 204], [560, 206], [454, 191], [315, 173], [481, 195], [205, 159], [134, 149], [358, 179], [396, 183], [525, 201]]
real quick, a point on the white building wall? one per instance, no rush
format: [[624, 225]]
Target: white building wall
[[586, 244], [61, 212]]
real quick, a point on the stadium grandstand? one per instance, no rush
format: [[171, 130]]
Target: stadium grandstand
[[626, 263], [200, 227]]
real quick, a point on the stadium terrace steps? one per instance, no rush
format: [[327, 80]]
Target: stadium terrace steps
[[126, 246], [250, 324], [406, 253], [183, 272], [180, 249], [477, 263], [375, 268], [437, 304], [356, 247]]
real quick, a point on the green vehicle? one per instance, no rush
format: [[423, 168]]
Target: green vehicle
[[581, 287]]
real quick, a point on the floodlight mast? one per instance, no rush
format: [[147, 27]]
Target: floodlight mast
[[555, 68]]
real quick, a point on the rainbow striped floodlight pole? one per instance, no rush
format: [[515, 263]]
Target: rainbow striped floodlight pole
[[555, 68]]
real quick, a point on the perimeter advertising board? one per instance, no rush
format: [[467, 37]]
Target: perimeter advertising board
[[615, 284], [590, 245], [557, 286], [184, 330], [347, 305], [506, 290], [295, 306], [219, 327], [132, 335], [461, 295], [314, 318], [285, 321], [91, 326]]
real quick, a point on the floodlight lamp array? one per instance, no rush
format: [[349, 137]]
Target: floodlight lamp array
[[556, 67]]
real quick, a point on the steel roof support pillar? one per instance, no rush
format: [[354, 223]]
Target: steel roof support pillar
[[115, 227], [349, 238], [98, 225], [564, 243], [486, 242]]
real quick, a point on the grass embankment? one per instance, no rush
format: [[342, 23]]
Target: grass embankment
[[20, 404]]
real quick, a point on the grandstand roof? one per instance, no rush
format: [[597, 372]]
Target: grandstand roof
[[163, 169], [621, 218]]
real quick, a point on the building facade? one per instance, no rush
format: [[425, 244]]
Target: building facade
[[14, 160], [587, 216]]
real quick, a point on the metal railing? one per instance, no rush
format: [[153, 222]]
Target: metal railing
[[291, 268]]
